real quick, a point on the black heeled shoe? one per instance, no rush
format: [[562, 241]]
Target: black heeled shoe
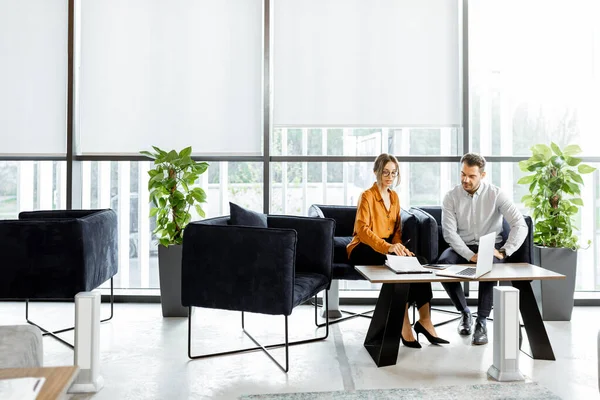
[[432, 339], [412, 343]]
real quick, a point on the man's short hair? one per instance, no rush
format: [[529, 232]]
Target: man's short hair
[[474, 160]]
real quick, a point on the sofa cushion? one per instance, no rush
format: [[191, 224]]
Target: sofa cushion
[[20, 346], [242, 216]]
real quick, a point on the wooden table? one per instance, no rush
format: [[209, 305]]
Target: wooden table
[[383, 337], [58, 379]]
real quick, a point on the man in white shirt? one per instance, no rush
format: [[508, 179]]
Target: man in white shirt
[[471, 210]]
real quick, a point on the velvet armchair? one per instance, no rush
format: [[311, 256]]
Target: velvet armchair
[[268, 270], [57, 254]]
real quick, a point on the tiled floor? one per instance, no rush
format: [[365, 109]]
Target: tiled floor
[[144, 356]]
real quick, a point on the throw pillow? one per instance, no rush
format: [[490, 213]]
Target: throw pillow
[[242, 216]]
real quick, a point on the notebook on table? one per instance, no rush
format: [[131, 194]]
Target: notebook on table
[[405, 265], [485, 261]]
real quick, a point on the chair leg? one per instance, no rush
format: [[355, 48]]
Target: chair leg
[[53, 334], [259, 346]]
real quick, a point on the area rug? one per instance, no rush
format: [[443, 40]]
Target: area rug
[[492, 391]]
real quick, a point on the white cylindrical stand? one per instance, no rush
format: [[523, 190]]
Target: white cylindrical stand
[[333, 301], [87, 343], [506, 335]]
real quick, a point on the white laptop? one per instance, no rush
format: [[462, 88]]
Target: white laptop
[[485, 261]]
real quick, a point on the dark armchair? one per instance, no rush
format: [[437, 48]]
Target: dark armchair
[[57, 254], [255, 269]]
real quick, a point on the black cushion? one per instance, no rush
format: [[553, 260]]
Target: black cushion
[[242, 216]]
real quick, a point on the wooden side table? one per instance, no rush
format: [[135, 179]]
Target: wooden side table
[[58, 379]]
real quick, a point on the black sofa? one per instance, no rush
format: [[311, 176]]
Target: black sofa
[[419, 234]]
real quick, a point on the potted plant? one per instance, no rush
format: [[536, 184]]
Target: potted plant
[[172, 194], [554, 197]]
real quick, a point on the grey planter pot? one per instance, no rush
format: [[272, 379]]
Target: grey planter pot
[[169, 270], [555, 297]]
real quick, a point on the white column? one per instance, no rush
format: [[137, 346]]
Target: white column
[[144, 224], [305, 204], [404, 189], [333, 301], [87, 343], [324, 167], [284, 172], [25, 188], [45, 192], [445, 171], [224, 187], [86, 184], [506, 335], [124, 191], [104, 184]]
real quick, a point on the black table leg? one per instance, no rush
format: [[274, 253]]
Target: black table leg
[[539, 342], [385, 330]]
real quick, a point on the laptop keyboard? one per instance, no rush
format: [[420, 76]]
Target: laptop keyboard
[[467, 272]]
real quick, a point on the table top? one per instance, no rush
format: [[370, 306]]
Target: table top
[[500, 272], [58, 379]]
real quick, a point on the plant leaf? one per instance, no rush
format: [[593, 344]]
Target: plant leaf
[[585, 169], [556, 149], [526, 179], [571, 150], [577, 200], [185, 152]]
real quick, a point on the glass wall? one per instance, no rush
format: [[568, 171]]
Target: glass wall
[[531, 80]]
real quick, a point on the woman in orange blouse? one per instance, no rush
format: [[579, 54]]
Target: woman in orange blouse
[[378, 231]]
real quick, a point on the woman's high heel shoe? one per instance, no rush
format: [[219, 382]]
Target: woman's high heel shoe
[[410, 343], [432, 339]]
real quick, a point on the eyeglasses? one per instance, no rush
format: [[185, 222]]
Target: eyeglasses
[[388, 173]]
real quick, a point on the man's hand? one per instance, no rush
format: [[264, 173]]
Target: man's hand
[[400, 250], [474, 258], [498, 255]]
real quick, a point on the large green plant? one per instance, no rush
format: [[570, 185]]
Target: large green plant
[[554, 193], [171, 192]]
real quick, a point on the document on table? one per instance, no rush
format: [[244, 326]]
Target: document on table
[[20, 388], [405, 265]]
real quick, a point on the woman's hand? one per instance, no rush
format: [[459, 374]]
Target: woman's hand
[[400, 250]]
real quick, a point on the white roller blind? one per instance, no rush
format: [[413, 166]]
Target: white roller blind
[[366, 63], [171, 73], [33, 77]]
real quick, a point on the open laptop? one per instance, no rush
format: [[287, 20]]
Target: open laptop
[[485, 260]]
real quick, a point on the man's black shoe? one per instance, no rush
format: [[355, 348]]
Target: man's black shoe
[[480, 334], [464, 326]]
